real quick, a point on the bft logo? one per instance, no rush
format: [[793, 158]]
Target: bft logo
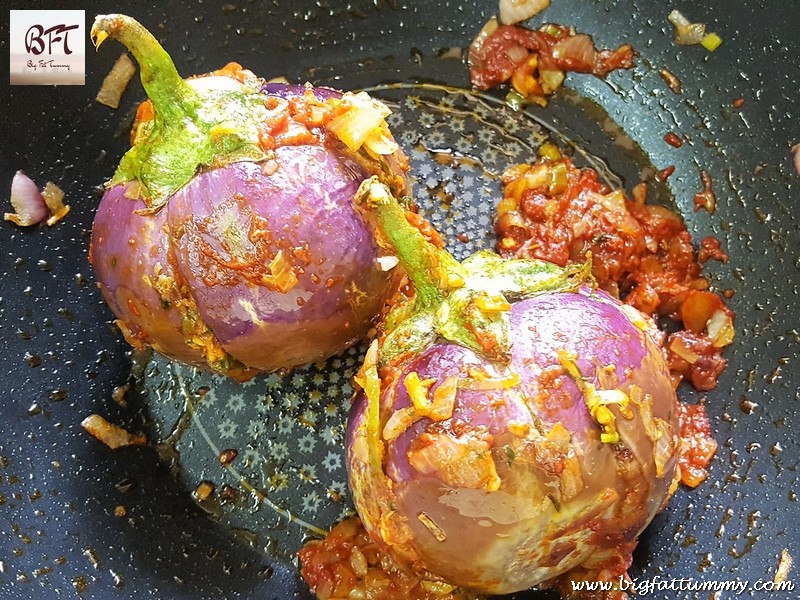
[[36, 36], [48, 47]]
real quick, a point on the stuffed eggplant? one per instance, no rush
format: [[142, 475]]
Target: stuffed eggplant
[[514, 423], [227, 237]]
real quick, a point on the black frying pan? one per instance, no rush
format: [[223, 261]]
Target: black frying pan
[[61, 357]]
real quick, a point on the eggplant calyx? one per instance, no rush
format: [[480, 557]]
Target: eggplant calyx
[[192, 125], [467, 303]]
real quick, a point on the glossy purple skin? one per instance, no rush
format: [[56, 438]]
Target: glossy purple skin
[[126, 249], [509, 537], [305, 204], [291, 90]]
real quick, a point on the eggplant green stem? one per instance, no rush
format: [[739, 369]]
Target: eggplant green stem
[[429, 268], [467, 303], [192, 127], [171, 96]]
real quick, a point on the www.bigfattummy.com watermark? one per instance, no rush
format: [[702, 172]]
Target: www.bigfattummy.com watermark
[[675, 586], [47, 47]]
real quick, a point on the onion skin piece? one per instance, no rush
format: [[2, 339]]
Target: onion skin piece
[[620, 492], [54, 199], [29, 205]]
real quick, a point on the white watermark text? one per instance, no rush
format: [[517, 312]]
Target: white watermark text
[[657, 585]]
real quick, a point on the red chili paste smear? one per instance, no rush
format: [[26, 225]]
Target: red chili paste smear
[[535, 62], [641, 253], [348, 564]]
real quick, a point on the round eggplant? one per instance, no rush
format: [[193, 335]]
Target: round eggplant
[[511, 409], [228, 238]]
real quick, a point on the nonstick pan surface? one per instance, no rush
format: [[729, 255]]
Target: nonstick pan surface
[[62, 531]]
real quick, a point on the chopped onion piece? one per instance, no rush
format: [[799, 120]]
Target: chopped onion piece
[[490, 383], [578, 49], [551, 80], [455, 52], [399, 421], [444, 399], [380, 142], [458, 461], [698, 308], [720, 329], [689, 34], [514, 11], [687, 354], [54, 198], [111, 435], [686, 32], [387, 263], [283, 277], [418, 391], [673, 83], [784, 566], [440, 587], [676, 18], [549, 150], [116, 81], [29, 205], [363, 122]]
